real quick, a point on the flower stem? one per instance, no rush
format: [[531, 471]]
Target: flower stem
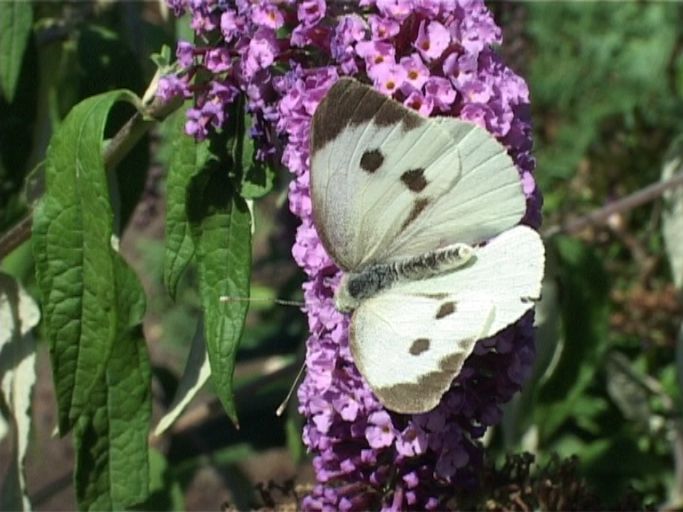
[[600, 216]]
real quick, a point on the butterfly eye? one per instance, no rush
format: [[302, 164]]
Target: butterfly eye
[[356, 287]]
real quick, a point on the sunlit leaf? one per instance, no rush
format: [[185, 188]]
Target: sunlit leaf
[[672, 213], [18, 315], [197, 372]]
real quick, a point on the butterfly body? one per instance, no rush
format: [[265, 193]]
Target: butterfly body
[[358, 286], [422, 216]]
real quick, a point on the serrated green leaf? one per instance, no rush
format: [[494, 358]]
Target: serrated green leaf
[[112, 465], [585, 321], [221, 230], [197, 372], [187, 159], [672, 213], [112, 468], [18, 315], [76, 266], [16, 20]]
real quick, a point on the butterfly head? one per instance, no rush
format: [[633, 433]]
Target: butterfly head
[[358, 286], [344, 299]]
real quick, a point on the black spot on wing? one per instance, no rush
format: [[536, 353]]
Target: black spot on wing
[[418, 207], [414, 179], [419, 346], [447, 308], [371, 160]]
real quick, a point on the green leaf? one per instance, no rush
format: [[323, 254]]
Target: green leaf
[[16, 20], [585, 321], [222, 236], [672, 213], [18, 315], [112, 466], [187, 159], [77, 269]]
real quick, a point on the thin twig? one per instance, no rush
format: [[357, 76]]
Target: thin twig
[[600, 216], [119, 146]]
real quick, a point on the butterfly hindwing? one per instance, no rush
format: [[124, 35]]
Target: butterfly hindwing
[[410, 341], [388, 184]]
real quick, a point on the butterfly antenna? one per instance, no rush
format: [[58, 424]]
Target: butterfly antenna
[[282, 302], [284, 403]]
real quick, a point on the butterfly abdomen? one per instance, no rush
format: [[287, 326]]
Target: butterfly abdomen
[[358, 286], [434, 263]]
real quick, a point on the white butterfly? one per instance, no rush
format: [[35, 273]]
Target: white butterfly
[[402, 203]]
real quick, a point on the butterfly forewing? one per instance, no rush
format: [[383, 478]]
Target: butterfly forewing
[[486, 200], [371, 170], [410, 341], [389, 184]]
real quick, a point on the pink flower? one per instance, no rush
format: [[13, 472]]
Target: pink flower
[[267, 15], [184, 53], [382, 28], [432, 39], [380, 431], [261, 52], [231, 25], [417, 101], [311, 12], [376, 52], [440, 91], [218, 60], [416, 71], [388, 78], [397, 9]]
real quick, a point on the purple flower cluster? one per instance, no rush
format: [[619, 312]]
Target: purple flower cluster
[[435, 56]]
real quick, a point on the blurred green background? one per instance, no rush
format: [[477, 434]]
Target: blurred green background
[[606, 81]]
